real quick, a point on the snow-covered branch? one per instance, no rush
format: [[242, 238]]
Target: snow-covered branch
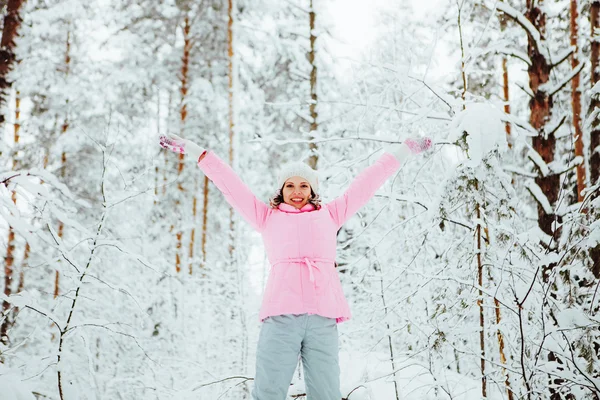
[[526, 89], [560, 57], [525, 24], [540, 197], [553, 90], [519, 171], [538, 161], [515, 53]]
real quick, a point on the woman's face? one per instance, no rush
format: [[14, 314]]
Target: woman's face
[[296, 191]]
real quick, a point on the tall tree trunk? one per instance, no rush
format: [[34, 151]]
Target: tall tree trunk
[[545, 143], [193, 232], [204, 223], [12, 22], [312, 161], [231, 116], [205, 192], [576, 102], [595, 107], [10, 245], [499, 334], [595, 75], [477, 229], [63, 158], [165, 177], [505, 92], [156, 169], [8, 278], [506, 100], [184, 89], [242, 340], [185, 63], [480, 298], [540, 107]]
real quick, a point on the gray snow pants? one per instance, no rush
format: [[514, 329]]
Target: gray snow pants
[[282, 338]]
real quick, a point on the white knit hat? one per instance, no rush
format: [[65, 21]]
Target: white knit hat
[[298, 169]]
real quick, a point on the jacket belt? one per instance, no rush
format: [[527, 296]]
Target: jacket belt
[[309, 262]]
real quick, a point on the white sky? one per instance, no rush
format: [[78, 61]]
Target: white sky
[[354, 19]]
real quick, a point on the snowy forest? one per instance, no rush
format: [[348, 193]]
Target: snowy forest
[[474, 273]]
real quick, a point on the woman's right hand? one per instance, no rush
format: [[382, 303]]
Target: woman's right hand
[[181, 146]]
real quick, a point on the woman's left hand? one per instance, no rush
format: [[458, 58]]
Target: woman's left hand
[[418, 145]]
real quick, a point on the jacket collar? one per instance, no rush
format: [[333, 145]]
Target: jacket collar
[[291, 209]]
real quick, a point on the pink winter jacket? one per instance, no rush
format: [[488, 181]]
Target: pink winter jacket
[[300, 243]]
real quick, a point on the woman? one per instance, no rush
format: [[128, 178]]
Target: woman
[[303, 300]]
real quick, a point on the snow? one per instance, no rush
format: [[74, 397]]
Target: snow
[[524, 22], [558, 58], [552, 89], [12, 387], [593, 239], [20, 300], [370, 377], [504, 47], [595, 89], [485, 129], [540, 197], [538, 161], [572, 318]]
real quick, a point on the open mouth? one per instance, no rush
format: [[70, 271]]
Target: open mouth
[[297, 200]]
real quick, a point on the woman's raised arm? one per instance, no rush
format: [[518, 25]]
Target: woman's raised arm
[[225, 179], [364, 186]]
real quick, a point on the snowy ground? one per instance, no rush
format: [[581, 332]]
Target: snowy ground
[[368, 377], [12, 386]]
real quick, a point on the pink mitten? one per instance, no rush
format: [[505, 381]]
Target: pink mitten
[[173, 143], [418, 145], [180, 145]]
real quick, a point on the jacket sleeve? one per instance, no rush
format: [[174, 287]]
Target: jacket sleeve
[[235, 190], [362, 188]]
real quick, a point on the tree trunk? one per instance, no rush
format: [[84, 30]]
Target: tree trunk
[[63, 158], [185, 63], [313, 159], [540, 107], [10, 245], [480, 299], [204, 223], [595, 133], [205, 193], [12, 22], [193, 233], [576, 103], [156, 169], [505, 93], [595, 54], [8, 278], [231, 116], [477, 229]]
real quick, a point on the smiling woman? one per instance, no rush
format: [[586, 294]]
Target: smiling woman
[[303, 300]]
